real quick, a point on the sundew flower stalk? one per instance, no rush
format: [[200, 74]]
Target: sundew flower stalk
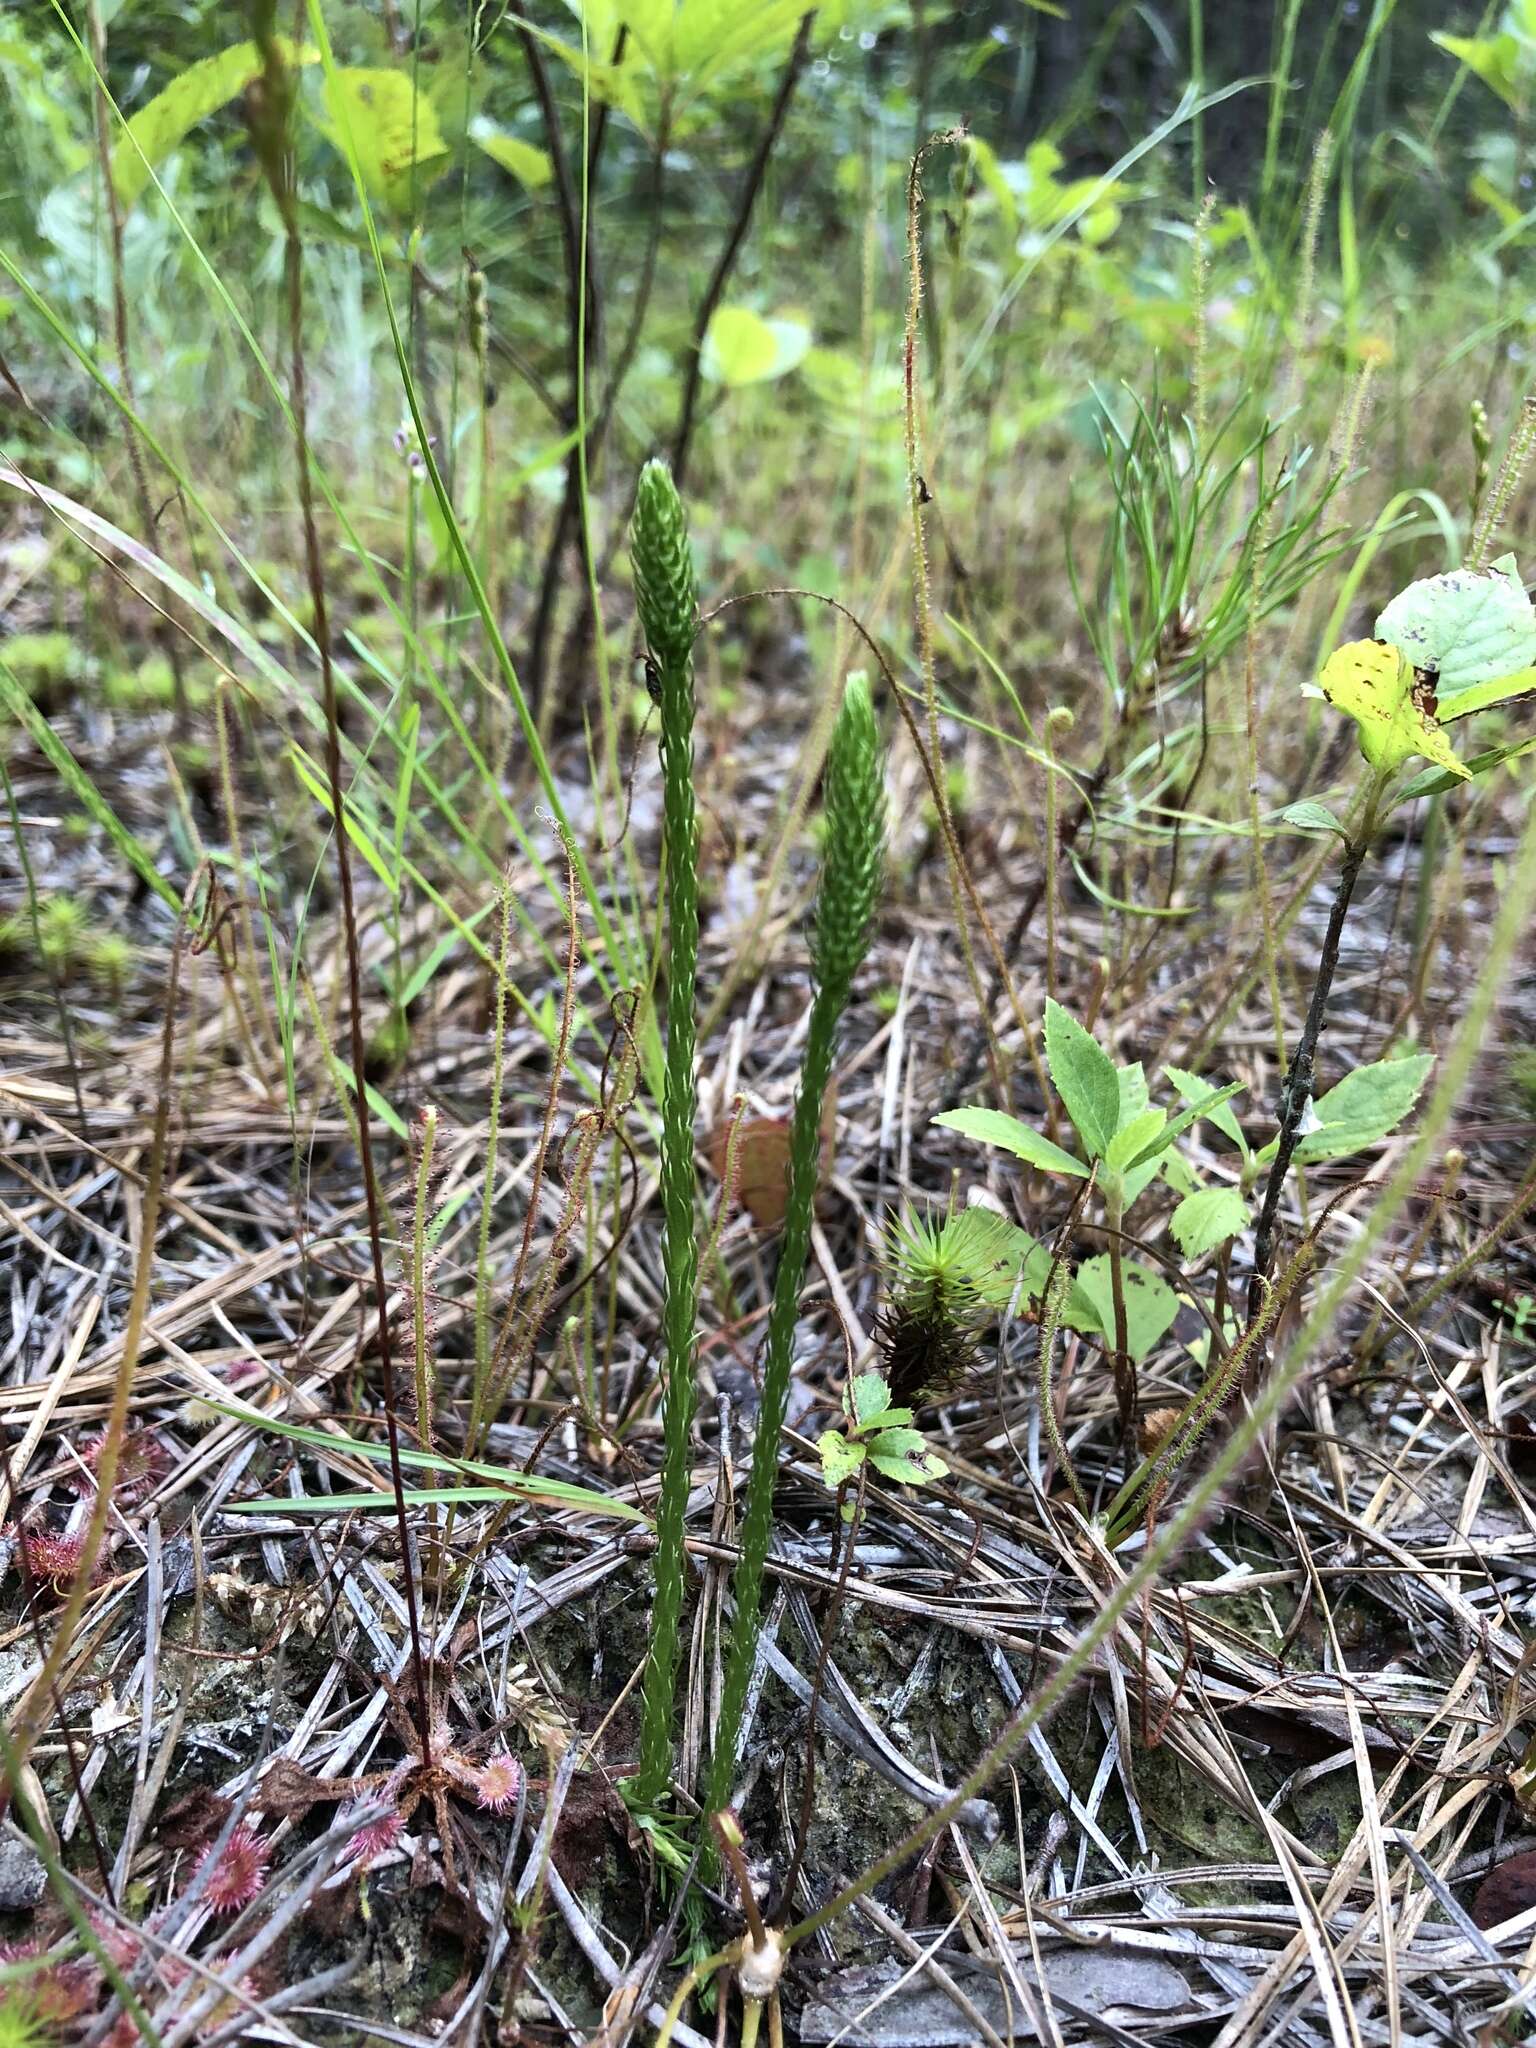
[[666, 592], [845, 908]]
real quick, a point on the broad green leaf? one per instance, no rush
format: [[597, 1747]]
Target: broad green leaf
[[1150, 1303], [1469, 630], [840, 1460], [1133, 1141], [909, 1471], [1178, 1173], [899, 1441], [1079, 1312], [391, 128], [1374, 684], [1181, 1123], [1192, 1089], [741, 347], [1206, 1219], [1134, 1093], [194, 94], [1309, 816], [1435, 782], [1364, 1107], [996, 1127], [621, 85], [526, 162], [1519, 683], [1085, 1078], [872, 1398]]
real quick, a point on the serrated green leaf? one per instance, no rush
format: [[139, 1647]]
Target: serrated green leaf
[[908, 1471], [379, 116], [1132, 1142], [1150, 1303], [871, 1397], [1178, 1173], [1206, 1219], [1467, 628], [1135, 1096], [840, 1460], [898, 1441], [1191, 1089], [1365, 1107], [996, 1127], [1085, 1077], [1181, 1123]]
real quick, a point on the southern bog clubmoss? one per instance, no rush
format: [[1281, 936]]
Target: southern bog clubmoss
[[845, 907], [666, 593]]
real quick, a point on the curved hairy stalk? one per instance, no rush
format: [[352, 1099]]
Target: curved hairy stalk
[[850, 881], [666, 592]]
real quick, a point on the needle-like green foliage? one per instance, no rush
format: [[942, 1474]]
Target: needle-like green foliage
[[845, 908], [666, 592]]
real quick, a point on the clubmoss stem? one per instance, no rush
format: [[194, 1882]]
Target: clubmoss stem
[[850, 880], [666, 592]]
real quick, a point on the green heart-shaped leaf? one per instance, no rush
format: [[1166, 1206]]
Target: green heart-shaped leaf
[[1467, 628]]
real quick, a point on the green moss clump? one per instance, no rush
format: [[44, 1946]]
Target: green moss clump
[[152, 687], [43, 664]]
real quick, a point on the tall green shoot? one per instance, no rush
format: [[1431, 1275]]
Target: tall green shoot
[[845, 908], [666, 592]]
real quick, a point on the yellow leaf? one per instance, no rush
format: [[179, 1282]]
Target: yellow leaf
[[391, 129], [1377, 686]]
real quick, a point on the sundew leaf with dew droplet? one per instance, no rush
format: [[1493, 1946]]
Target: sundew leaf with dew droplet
[[1374, 684], [1469, 628]]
